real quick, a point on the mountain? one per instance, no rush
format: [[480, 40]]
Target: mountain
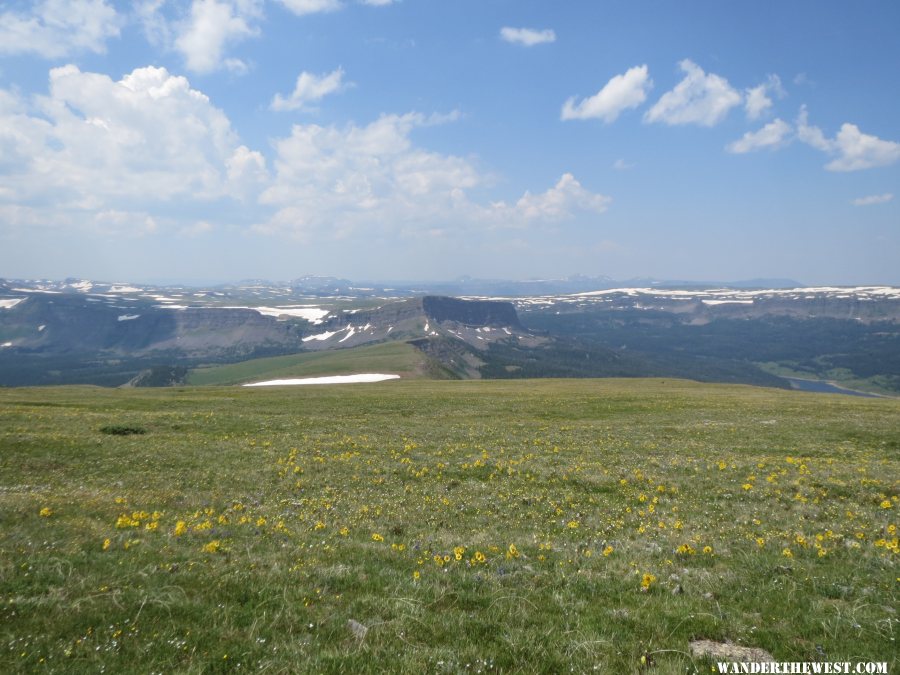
[[109, 333]]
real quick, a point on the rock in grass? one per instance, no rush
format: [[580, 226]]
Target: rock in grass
[[726, 651], [357, 629]]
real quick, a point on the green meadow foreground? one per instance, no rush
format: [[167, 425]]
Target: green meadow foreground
[[527, 526]]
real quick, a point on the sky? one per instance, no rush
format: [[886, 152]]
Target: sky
[[218, 140]]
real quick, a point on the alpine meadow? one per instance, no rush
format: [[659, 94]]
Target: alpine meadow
[[465, 338]]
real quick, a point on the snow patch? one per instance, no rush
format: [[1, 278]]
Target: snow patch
[[9, 303], [6, 344], [128, 317], [125, 289], [309, 312], [727, 302], [348, 335], [41, 327], [321, 336], [331, 379]]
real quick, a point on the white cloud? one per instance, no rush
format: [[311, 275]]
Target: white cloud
[[57, 28], [622, 165], [378, 3], [333, 181], [873, 199], [301, 7], [857, 150], [757, 100], [812, 135], [156, 27], [620, 93], [700, 98], [770, 136], [212, 25], [560, 202], [310, 88], [119, 157], [528, 37], [95, 145], [854, 150]]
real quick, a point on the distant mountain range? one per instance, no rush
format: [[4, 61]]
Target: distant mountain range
[[332, 286], [106, 333]]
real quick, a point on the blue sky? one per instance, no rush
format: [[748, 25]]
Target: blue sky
[[214, 140]]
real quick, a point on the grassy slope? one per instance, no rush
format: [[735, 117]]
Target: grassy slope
[[396, 358], [305, 507]]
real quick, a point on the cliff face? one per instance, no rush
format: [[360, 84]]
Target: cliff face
[[75, 324], [471, 312], [72, 324]]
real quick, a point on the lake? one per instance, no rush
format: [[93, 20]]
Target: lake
[[822, 387]]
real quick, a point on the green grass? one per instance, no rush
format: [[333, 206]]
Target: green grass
[[396, 358], [244, 529]]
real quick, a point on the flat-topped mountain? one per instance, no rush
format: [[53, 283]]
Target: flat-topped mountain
[[106, 333]]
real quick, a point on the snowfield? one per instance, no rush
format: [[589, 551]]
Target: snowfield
[[331, 379]]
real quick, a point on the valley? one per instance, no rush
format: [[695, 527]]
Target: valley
[[112, 334]]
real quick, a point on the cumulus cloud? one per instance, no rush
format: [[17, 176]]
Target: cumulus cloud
[[301, 7], [121, 156], [58, 28], [96, 145], [377, 3], [811, 135], [560, 202], [342, 180], [622, 92], [857, 150], [527, 37], [310, 88], [852, 149], [757, 100], [213, 25], [771, 136], [873, 199], [149, 15], [699, 98]]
